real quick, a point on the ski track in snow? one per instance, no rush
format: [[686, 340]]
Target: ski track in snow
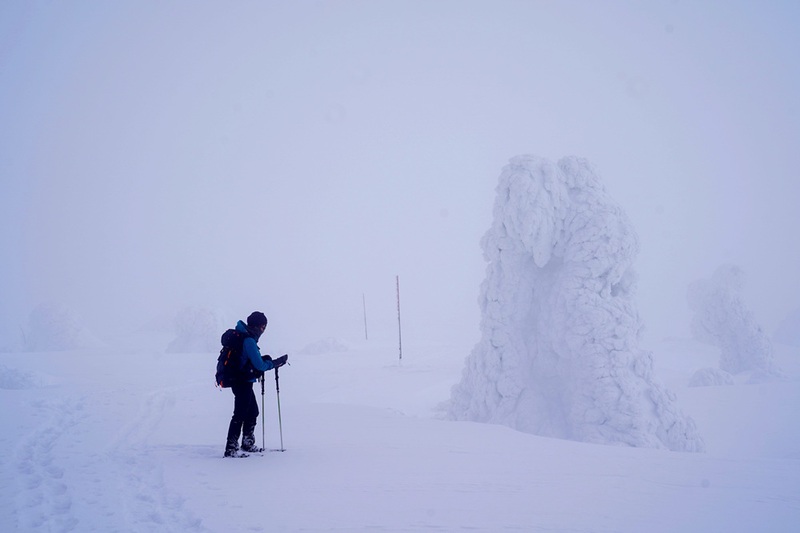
[[148, 504], [50, 498], [43, 498]]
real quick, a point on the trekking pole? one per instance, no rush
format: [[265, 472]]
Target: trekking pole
[[263, 443], [278, 393]]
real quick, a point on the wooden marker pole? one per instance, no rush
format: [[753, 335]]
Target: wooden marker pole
[[364, 301], [399, 327]]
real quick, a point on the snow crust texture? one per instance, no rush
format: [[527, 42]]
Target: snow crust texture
[[559, 354], [12, 378], [722, 319]]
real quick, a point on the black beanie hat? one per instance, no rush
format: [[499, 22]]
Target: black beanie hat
[[257, 319]]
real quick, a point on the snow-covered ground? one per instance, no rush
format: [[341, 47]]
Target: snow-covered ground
[[131, 439]]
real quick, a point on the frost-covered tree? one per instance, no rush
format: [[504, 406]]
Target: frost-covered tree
[[198, 329], [54, 327], [324, 346], [788, 331], [722, 319], [559, 354], [706, 377]]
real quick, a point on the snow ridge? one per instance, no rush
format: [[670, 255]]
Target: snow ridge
[[559, 351]]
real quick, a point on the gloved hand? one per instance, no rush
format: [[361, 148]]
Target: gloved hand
[[266, 358], [280, 361]]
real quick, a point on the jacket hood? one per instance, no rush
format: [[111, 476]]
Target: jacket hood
[[241, 327]]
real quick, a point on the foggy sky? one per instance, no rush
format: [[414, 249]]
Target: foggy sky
[[294, 156]]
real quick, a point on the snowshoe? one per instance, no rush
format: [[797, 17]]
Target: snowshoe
[[235, 453]]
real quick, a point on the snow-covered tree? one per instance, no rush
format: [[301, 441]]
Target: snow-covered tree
[[324, 346], [559, 354], [198, 329], [722, 319], [788, 331], [709, 377], [54, 327]]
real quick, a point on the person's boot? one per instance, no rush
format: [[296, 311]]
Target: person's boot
[[232, 443], [249, 438]]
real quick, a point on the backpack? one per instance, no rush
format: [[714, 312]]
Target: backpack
[[230, 367]]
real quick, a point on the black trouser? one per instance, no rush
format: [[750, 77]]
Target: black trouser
[[245, 415]]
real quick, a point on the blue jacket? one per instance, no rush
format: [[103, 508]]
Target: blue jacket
[[250, 351]]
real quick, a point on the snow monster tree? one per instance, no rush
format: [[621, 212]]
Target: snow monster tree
[[722, 319], [559, 354]]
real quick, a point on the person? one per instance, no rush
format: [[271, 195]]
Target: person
[[245, 406]]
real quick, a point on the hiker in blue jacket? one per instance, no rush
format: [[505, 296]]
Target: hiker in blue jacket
[[245, 406]]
